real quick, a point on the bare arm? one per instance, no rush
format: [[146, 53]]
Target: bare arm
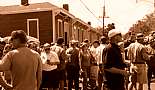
[[80, 58], [5, 63], [117, 71], [52, 63]]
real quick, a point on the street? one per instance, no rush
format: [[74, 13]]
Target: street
[[152, 86]]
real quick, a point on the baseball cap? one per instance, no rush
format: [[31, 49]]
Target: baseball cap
[[73, 41], [140, 36], [113, 32]]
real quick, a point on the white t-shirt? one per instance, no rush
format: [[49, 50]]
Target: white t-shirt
[[95, 52], [100, 48], [53, 57]]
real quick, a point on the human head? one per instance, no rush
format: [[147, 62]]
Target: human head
[[87, 42], [60, 41], [19, 34], [46, 47], [115, 36], [146, 40], [52, 43], [96, 43], [152, 43], [18, 38], [103, 40], [77, 43], [133, 38], [84, 46], [32, 46], [73, 43], [7, 48], [153, 34], [140, 38]]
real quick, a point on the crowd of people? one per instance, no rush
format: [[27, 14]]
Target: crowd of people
[[110, 63]]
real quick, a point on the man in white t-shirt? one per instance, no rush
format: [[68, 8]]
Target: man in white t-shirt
[[50, 61], [61, 52], [103, 44], [94, 69]]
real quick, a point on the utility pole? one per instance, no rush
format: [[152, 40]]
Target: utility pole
[[103, 16], [154, 6]]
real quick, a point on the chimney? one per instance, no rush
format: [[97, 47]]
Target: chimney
[[89, 23], [66, 7], [24, 2]]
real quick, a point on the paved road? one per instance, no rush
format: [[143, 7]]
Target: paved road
[[145, 86], [152, 86]]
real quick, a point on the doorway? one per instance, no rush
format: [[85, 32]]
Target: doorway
[[33, 28]]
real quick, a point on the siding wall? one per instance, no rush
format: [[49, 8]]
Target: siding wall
[[12, 22]]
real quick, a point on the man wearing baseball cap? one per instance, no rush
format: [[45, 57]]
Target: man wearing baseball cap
[[113, 62]]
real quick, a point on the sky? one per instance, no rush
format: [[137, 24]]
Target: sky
[[123, 13]]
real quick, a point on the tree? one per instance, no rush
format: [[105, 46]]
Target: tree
[[144, 26]]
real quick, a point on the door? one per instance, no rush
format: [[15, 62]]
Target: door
[[33, 28]]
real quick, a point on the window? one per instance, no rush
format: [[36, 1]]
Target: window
[[60, 28]]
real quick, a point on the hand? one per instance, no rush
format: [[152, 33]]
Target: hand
[[48, 61], [101, 70], [81, 70], [125, 73]]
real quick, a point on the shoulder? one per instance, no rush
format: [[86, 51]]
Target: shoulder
[[12, 52], [108, 47], [69, 49], [131, 45], [56, 48], [53, 53], [34, 52]]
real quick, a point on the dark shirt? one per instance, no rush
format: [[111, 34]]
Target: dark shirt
[[74, 55], [85, 59], [73, 64], [114, 59]]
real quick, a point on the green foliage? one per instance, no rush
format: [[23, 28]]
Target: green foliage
[[144, 26]]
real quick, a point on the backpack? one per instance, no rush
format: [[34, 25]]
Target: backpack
[[61, 54]]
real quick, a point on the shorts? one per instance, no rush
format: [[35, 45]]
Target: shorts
[[50, 79], [62, 74], [94, 72], [141, 73]]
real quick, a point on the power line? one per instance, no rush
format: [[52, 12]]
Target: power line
[[90, 10]]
